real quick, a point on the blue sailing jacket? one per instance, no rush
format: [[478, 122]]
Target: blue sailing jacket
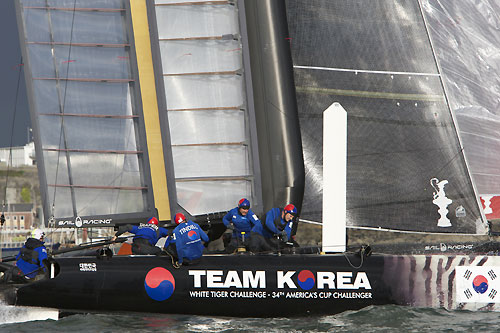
[[30, 258], [273, 224], [149, 231], [240, 222], [187, 238]]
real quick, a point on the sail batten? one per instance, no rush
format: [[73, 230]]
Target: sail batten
[[99, 187], [364, 71]]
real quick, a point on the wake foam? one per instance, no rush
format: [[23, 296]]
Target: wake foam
[[18, 314]]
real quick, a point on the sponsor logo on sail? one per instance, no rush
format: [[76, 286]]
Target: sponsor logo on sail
[[62, 223], [460, 211], [448, 247], [442, 201], [79, 222], [159, 284], [96, 221]]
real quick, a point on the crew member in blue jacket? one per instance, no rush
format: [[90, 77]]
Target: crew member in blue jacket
[[185, 243], [146, 236], [276, 231], [30, 259], [240, 219]]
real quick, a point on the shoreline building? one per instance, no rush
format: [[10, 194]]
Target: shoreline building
[[19, 218], [19, 156]]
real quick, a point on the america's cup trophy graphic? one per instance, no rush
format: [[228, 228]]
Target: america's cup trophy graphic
[[441, 201]]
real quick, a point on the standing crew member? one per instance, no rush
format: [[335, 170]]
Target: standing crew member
[[146, 236], [276, 231], [240, 219], [185, 242]]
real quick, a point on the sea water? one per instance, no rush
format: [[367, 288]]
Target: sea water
[[387, 318]]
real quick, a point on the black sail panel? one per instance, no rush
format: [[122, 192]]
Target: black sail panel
[[376, 60]]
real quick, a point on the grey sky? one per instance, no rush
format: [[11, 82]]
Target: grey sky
[[9, 71]]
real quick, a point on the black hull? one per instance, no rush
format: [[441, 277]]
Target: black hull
[[265, 285], [119, 285]]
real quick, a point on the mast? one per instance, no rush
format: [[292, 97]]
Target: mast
[[276, 111]]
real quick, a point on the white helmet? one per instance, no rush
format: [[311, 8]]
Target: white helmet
[[37, 234]]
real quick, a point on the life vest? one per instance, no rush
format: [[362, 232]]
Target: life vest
[[277, 223], [30, 255]]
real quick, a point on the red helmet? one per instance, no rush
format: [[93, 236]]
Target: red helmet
[[290, 209], [244, 203], [153, 220], [179, 218]]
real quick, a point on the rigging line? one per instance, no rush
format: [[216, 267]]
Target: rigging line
[[486, 174], [365, 71], [350, 263], [61, 132], [450, 71], [396, 231], [482, 136], [459, 153], [9, 160], [423, 233]]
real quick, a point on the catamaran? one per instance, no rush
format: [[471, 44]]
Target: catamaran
[[144, 108]]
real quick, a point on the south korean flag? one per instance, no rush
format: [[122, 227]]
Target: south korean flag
[[478, 284]]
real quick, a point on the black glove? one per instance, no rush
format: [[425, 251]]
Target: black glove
[[230, 226], [284, 236]]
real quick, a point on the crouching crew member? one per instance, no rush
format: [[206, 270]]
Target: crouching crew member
[[185, 243], [240, 219], [277, 231], [146, 236], [30, 260], [33, 253]]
